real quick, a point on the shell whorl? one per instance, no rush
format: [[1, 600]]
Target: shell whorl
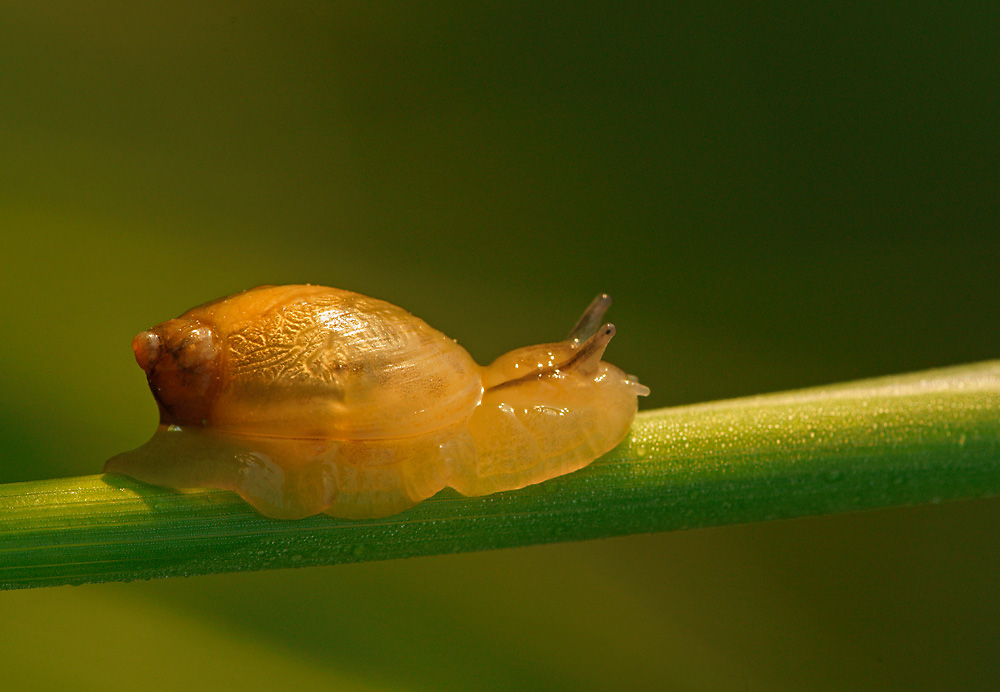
[[318, 362]]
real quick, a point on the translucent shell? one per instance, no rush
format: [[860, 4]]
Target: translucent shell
[[307, 399], [314, 362]]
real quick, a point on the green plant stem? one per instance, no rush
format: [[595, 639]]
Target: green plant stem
[[899, 440]]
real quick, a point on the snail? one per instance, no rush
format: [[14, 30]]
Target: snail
[[306, 399]]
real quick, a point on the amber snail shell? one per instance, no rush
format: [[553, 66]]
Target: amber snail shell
[[307, 399]]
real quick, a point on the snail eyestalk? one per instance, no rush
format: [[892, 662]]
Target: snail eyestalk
[[590, 320], [588, 356]]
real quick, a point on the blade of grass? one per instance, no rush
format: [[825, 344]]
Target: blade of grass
[[900, 440]]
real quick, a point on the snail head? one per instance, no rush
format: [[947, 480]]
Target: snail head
[[578, 356], [181, 360]]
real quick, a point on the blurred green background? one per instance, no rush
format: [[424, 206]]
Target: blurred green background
[[776, 196]]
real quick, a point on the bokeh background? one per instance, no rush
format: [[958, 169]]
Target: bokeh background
[[776, 196]]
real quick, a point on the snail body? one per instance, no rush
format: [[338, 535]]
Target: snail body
[[307, 399]]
